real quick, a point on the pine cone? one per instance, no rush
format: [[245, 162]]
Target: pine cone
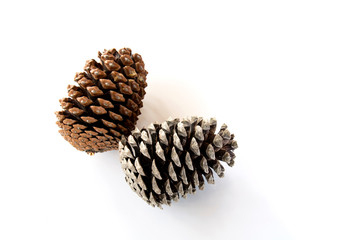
[[168, 160], [105, 103]]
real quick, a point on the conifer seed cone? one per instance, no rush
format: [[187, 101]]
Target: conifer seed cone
[[105, 102], [166, 161]]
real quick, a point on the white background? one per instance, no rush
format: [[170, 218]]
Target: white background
[[284, 76]]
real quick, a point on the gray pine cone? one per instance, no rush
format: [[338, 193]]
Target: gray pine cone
[[168, 160]]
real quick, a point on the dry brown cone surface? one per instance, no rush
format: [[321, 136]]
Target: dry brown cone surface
[[105, 102], [170, 160]]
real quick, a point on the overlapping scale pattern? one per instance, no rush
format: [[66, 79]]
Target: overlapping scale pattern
[[170, 160], [105, 102]]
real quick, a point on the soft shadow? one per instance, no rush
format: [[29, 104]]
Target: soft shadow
[[170, 98]]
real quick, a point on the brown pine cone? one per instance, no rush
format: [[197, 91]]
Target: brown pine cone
[[105, 103], [166, 161]]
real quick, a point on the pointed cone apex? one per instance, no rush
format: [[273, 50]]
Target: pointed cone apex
[[183, 175], [155, 170], [210, 178], [196, 178], [131, 141], [188, 161], [218, 141], [226, 134], [204, 166], [223, 127], [131, 166], [180, 189], [163, 138], [185, 122], [234, 144], [144, 150], [151, 127], [162, 198], [168, 189], [170, 121], [127, 152], [159, 151], [190, 189], [175, 197], [145, 137], [213, 122], [138, 167], [205, 125], [199, 133], [136, 133], [177, 142], [210, 152], [141, 182], [194, 147], [155, 186], [181, 130], [172, 172], [121, 146], [231, 163], [172, 159], [226, 158], [142, 194], [165, 127], [193, 119], [201, 182], [218, 168], [152, 200], [175, 157]]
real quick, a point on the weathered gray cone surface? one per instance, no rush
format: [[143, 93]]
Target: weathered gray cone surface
[[165, 161]]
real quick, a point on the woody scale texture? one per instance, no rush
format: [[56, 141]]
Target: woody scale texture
[[105, 102]]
